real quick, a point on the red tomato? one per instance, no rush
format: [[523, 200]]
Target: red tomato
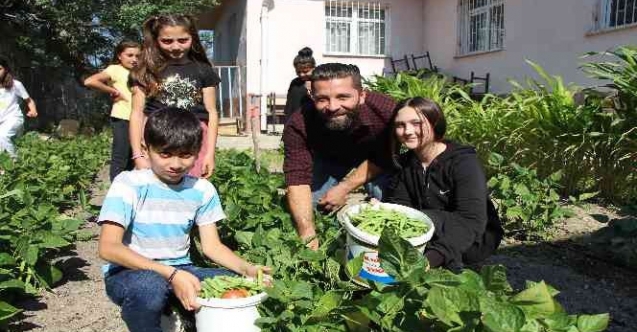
[[235, 294]]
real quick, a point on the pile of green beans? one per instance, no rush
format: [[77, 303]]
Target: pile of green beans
[[215, 287], [373, 221]]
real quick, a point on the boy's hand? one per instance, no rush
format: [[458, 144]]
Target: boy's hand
[[186, 287], [253, 270]]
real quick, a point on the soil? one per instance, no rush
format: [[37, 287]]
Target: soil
[[589, 283]]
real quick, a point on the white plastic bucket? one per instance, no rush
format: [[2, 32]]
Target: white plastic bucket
[[360, 242], [229, 315]]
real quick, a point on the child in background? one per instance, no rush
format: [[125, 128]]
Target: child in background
[[114, 81], [299, 90], [174, 72], [146, 221], [11, 119]]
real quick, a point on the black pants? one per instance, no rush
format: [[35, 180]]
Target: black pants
[[121, 150]]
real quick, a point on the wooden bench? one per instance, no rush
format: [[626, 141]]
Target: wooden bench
[[275, 111]]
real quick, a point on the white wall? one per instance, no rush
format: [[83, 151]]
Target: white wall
[[549, 32], [295, 24], [230, 34]]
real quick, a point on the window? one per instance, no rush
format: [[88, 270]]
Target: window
[[480, 26], [617, 13], [356, 28]]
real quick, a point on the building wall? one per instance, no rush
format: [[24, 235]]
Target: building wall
[[551, 33], [230, 34], [294, 24]]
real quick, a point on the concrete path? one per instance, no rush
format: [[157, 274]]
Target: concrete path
[[266, 142]]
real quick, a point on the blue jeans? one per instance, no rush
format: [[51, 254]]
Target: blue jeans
[[143, 294], [326, 175]]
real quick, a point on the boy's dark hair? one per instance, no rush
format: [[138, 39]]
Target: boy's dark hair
[[173, 129], [330, 71], [304, 58], [6, 81]]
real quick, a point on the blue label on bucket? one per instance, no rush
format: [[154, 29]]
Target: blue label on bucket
[[371, 269]]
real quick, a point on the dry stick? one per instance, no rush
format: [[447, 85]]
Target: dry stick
[[254, 124]]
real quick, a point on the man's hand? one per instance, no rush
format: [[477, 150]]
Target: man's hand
[[187, 287], [334, 198], [310, 234]]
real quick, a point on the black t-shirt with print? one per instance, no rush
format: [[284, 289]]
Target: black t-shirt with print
[[181, 86]]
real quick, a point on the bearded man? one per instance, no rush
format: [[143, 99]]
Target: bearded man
[[335, 144]]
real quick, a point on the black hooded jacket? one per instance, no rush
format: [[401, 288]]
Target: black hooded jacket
[[453, 192]]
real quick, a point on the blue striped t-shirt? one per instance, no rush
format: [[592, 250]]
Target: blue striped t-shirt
[[158, 217]]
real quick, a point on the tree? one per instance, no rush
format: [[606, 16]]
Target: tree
[[77, 34]]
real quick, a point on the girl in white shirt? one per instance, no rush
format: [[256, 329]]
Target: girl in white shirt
[[11, 119]]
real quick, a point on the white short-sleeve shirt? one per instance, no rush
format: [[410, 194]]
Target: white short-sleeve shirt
[[9, 105]]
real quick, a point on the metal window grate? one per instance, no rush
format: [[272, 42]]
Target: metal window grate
[[354, 27], [617, 13], [480, 26]]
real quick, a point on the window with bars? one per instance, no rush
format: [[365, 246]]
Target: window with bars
[[353, 27], [480, 26], [617, 13]]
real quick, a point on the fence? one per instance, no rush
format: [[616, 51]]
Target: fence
[[230, 100], [59, 95]]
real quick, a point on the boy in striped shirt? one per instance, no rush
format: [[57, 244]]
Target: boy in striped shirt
[[146, 220]]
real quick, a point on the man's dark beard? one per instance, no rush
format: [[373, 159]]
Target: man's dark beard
[[346, 123]]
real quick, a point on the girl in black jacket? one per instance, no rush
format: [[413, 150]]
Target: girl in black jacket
[[299, 90], [444, 180]]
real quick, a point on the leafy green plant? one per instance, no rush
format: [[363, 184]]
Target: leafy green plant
[[435, 87], [313, 291], [49, 177], [440, 300], [615, 133], [528, 204]]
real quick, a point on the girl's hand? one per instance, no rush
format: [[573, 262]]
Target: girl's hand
[[186, 287], [141, 163], [32, 113], [208, 166], [117, 96]]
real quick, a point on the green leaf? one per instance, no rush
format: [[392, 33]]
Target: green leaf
[[6, 259], [31, 255], [301, 290], [536, 301], [48, 274], [12, 283], [495, 279], [447, 303], [7, 311], [326, 304], [397, 256], [244, 238], [559, 321], [501, 317], [355, 265], [592, 323], [52, 241]]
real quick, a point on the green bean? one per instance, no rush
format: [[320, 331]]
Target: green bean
[[373, 221]]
